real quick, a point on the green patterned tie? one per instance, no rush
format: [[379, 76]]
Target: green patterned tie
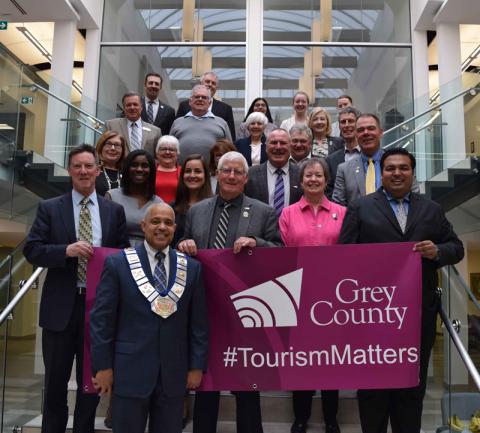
[[84, 234]]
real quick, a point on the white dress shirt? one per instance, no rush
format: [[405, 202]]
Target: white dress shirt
[[153, 260]]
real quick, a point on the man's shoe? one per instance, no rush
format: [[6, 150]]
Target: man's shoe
[[332, 428], [298, 427]]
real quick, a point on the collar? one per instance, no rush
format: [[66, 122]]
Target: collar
[[291, 159], [77, 197], [205, 116], [152, 251], [272, 169], [390, 198], [325, 204], [376, 156], [153, 101], [356, 149], [138, 122], [236, 202]]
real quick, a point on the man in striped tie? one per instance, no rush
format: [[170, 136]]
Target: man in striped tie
[[229, 220]]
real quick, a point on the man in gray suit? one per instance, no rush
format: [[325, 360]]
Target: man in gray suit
[[137, 133], [275, 182], [229, 220], [361, 174]]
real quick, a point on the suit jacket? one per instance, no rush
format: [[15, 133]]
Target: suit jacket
[[257, 220], [219, 108], [150, 133], [243, 146], [257, 185], [350, 181], [333, 160], [129, 337], [371, 219], [51, 232], [163, 120]]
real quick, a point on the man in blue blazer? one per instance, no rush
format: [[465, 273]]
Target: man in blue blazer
[[149, 329], [53, 243]]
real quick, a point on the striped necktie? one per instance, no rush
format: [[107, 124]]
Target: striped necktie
[[135, 137], [370, 178], [160, 274], [279, 192], [222, 228], [150, 112], [84, 234], [402, 215]]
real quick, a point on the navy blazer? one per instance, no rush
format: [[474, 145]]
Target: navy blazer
[[138, 344], [52, 231], [243, 146], [219, 108], [163, 120]]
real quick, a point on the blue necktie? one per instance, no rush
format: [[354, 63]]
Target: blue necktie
[[160, 274], [279, 192], [150, 112]]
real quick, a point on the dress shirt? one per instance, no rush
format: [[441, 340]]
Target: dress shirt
[[309, 156], [393, 202], [376, 162], [152, 260], [300, 226], [139, 130], [155, 105], [349, 154], [205, 116], [233, 220], [272, 179], [94, 215]]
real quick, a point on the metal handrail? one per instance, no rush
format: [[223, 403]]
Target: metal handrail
[[58, 98], [20, 294], [82, 123], [461, 349], [420, 128], [432, 108], [463, 284]]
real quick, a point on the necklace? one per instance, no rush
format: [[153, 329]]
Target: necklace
[[109, 180]]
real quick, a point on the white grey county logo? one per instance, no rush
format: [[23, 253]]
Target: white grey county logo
[[271, 304]]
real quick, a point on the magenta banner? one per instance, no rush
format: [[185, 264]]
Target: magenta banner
[[333, 317]]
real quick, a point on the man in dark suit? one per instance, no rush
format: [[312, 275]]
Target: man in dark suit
[[396, 214], [229, 220], [219, 108], [155, 111], [61, 239], [137, 133], [275, 182], [149, 329], [347, 118]]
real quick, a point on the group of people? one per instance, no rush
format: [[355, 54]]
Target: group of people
[[168, 196]]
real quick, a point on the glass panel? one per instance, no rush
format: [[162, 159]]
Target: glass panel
[[339, 21], [174, 20], [378, 79], [120, 75]]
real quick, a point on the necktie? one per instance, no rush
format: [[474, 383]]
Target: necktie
[[160, 274], [401, 215], [370, 178], [150, 112], [135, 137], [279, 192], [222, 228], [84, 234]]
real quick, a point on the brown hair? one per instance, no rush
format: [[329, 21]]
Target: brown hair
[[221, 145], [107, 135]]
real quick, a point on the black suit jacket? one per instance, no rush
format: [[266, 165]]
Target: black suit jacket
[[370, 219], [51, 232], [257, 185], [219, 108], [163, 120], [333, 160], [137, 343], [243, 146]]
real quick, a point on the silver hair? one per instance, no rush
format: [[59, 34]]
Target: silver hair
[[210, 73], [201, 86], [129, 94], [256, 116], [279, 129], [162, 204], [168, 139], [230, 157], [298, 127]]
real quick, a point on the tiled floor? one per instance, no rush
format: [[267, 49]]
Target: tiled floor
[[23, 396]]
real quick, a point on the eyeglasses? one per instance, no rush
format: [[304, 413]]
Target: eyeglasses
[[204, 97], [227, 171], [167, 149], [347, 121], [112, 144]]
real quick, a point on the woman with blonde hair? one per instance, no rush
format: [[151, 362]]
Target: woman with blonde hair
[[321, 125]]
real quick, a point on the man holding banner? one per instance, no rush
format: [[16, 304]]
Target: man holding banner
[[396, 214], [149, 330], [229, 220]]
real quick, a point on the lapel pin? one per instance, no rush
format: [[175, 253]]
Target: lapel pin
[[245, 212], [334, 216]]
